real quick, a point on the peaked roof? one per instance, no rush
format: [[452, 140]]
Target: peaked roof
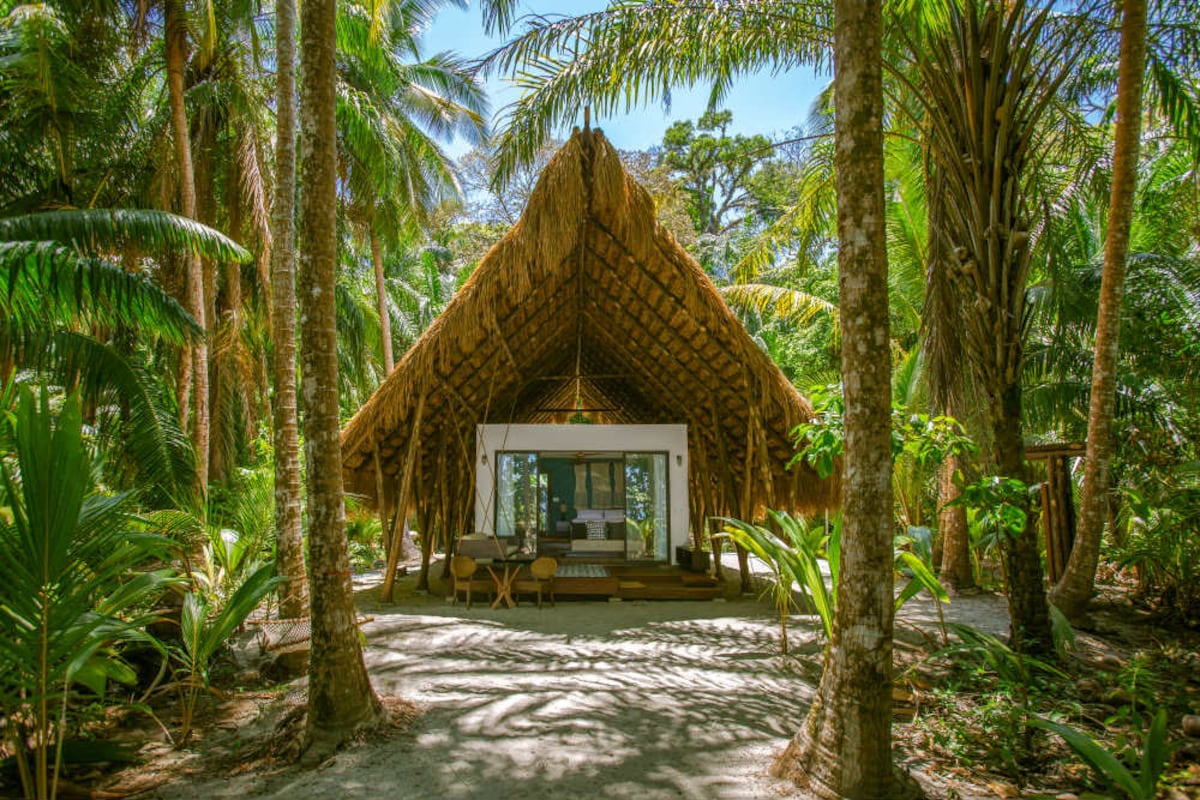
[[589, 302]]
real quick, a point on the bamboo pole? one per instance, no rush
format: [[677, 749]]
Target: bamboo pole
[[403, 499]]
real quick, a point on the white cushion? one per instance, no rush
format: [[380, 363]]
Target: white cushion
[[614, 515], [589, 513]]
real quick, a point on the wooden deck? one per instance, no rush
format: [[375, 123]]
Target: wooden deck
[[633, 582]]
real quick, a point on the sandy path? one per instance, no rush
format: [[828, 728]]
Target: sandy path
[[589, 699]]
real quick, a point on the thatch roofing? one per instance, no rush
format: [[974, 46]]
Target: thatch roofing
[[587, 299]]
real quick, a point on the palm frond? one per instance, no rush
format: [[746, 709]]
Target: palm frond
[[114, 230], [45, 283]]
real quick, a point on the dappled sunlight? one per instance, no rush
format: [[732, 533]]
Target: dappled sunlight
[[600, 699]]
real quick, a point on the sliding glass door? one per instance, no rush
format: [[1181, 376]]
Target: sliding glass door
[[646, 492]]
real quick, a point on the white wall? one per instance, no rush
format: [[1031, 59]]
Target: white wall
[[672, 439]]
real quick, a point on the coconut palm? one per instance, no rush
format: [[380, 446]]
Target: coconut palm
[[1074, 589], [62, 301], [390, 112], [293, 602], [340, 697]]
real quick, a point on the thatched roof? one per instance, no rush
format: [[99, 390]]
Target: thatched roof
[[586, 300]]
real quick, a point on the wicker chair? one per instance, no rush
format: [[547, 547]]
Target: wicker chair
[[462, 573], [541, 577]]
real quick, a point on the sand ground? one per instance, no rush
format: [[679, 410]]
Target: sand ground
[[591, 699]]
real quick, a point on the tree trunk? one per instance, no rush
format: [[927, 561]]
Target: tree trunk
[[385, 320], [340, 697], [175, 31], [956, 572], [845, 748], [289, 544], [1074, 590], [1029, 613]]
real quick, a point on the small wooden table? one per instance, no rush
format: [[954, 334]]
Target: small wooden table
[[504, 584], [504, 581]]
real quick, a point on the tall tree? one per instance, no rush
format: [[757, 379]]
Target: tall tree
[[389, 112], [288, 524], [340, 697], [988, 74], [1074, 590], [194, 372], [845, 746]]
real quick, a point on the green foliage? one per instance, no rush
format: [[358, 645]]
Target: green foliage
[[1140, 783], [914, 557], [793, 555], [1000, 504], [1160, 543], [203, 631], [70, 588], [927, 440], [1002, 727]]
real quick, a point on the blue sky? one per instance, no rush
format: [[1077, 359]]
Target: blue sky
[[763, 103]]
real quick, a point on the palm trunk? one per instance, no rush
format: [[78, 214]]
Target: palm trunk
[[340, 697], [385, 321], [956, 572], [1074, 589], [289, 545], [1029, 614], [845, 746], [175, 24]]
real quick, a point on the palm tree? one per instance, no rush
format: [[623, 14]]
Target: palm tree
[[987, 74], [1074, 589], [389, 112], [844, 748], [63, 299], [340, 697], [193, 374], [67, 554], [286, 438]]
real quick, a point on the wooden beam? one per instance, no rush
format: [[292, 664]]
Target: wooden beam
[[402, 499]]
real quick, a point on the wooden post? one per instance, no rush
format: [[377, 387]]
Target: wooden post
[[384, 526], [403, 499], [747, 511]]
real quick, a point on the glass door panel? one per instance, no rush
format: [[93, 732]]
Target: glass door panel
[[646, 524], [517, 495]]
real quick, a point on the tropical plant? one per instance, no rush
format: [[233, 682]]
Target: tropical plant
[[203, 631], [793, 553], [389, 113], [63, 297], [1139, 783], [72, 583], [293, 600], [1074, 589]]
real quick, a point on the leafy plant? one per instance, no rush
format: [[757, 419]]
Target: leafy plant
[[203, 632], [792, 556], [914, 557], [1138, 785], [69, 585]]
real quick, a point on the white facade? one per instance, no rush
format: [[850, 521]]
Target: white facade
[[670, 439]]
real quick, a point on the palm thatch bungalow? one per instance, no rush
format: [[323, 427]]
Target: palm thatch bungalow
[[586, 392]]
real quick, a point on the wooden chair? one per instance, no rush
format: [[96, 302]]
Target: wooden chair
[[462, 572], [541, 577]]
